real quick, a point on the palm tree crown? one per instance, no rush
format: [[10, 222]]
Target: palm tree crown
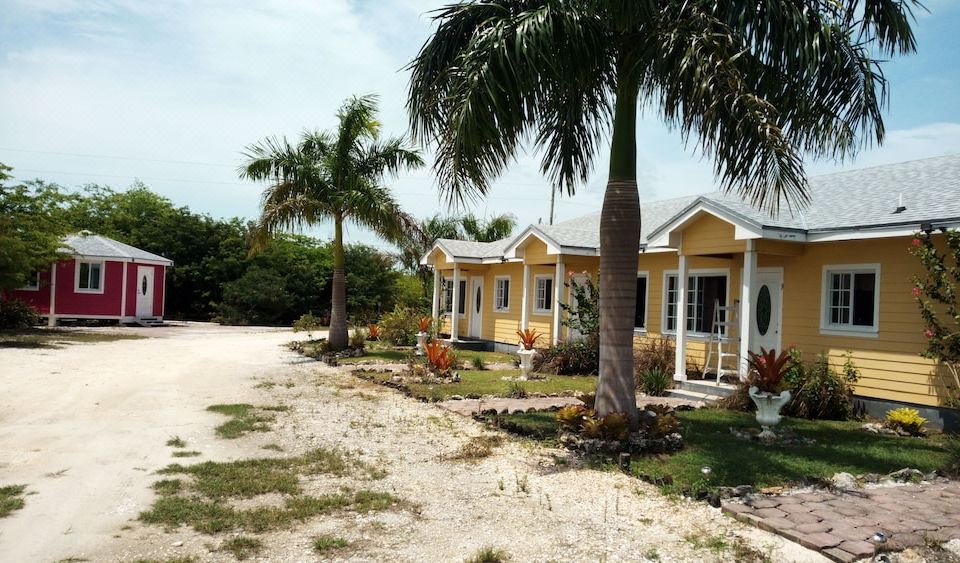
[[334, 177]]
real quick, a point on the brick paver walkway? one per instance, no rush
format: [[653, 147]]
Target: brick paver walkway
[[841, 525]]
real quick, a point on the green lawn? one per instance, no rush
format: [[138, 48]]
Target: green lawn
[[55, 338], [490, 382], [840, 446], [378, 353]]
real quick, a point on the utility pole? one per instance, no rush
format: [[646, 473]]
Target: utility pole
[[553, 196]]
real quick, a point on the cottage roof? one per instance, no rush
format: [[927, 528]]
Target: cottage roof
[[88, 245]]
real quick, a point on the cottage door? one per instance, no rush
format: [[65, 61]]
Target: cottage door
[[476, 307], [145, 291], [767, 309]]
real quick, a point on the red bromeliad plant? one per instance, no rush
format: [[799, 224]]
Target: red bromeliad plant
[[373, 332], [424, 324], [440, 357], [769, 369], [528, 337]]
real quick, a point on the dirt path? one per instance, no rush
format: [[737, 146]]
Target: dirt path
[[104, 411]]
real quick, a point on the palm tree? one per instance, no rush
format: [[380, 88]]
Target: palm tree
[[488, 230], [753, 84], [333, 176]]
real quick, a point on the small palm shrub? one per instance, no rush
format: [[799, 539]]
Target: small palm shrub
[[655, 382], [906, 419], [568, 358], [358, 339], [400, 326], [653, 354]]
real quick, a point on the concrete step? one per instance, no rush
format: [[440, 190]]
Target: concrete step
[[692, 396], [706, 387]]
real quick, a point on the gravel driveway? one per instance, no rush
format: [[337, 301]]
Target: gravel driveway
[[85, 426]]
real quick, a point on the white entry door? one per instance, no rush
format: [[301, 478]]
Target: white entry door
[[578, 279], [145, 291], [767, 310], [476, 306]]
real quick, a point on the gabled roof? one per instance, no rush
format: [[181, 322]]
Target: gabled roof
[[87, 245]]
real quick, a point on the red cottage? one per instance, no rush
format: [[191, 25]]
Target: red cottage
[[105, 279]]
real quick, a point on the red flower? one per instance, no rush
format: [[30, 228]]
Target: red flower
[[915, 242], [928, 333], [916, 292], [762, 361]]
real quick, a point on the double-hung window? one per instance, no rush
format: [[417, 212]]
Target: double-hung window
[[33, 282], [501, 297], [851, 298], [543, 294], [90, 277], [704, 291], [448, 297], [640, 314]]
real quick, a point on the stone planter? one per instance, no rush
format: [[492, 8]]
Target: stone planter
[[768, 407], [421, 342], [526, 361]]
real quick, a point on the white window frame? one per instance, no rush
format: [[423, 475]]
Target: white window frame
[[76, 276], [548, 298], [646, 303], [452, 304], [497, 307], [829, 328], [35, 287], [691, 273]]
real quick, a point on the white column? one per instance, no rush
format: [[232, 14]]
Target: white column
[[680, 361], [123, 295], [437, 280], [557, 296], [52, 317], [525, 299], [455, 307], [746, 304]]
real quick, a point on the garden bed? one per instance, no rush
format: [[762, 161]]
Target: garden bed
[[485, 383]]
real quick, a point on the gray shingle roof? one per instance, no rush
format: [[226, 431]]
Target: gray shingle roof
[[471, 249], [83, 244]]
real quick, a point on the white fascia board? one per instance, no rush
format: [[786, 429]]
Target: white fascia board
[[578, 251], [743, 228], [425, 259], [531, 231], [789, 235], [860, 234]]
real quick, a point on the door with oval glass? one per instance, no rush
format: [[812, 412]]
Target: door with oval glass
[[767, 309], [145, 291], [476, 306]]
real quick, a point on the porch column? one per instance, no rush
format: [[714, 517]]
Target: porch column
[[437, 280], [680, 361], [525, 299], [455, 307], [557, 296], [52, 316], [746, 304]]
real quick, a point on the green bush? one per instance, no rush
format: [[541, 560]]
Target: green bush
[[307, 323], [655, 382], [819, 391], [653, 354], [568, 358], [15, 314], [358, 339], [400, 326], [256, 298], [908, 420], [952, 445]]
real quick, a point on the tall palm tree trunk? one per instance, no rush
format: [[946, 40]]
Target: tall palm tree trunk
[[619, 251], [338, 337]]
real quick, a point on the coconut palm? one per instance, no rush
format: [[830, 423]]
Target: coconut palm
[[755, 85], [488, 230], [334, 177]]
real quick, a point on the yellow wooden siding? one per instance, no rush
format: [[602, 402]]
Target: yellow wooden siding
[[710, 235], [535, 252]]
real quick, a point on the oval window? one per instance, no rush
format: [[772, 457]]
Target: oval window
[[478, 299], [764, 309], [143, 286]]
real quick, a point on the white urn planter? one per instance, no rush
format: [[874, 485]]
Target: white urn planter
[[768, 408], [421, 342], [526, 361]]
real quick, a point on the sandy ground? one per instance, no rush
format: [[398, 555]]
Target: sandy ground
[[84, 428]]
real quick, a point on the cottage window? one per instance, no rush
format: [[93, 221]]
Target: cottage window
[[543, 294], [703, 292], [501, 301], [33, 282], [90, 276], [448, 297], [640, 314], [851, 298]]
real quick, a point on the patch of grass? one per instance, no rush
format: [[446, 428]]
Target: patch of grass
[[168, 486], [176, 442], [541, 425], [324, 544], [491, 382], [72, 560], [478, 447], [11, 499], [183, 559], [242, 547], [244, 418], [272, 447], [488, 555], [384, 356], [516, 390], [54, 338], [186, 453], [57, 474]]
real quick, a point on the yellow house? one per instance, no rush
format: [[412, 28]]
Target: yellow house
[[834, 278]]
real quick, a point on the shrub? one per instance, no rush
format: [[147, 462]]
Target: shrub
[[653, 354], [373, 332], [952, 445], [908, 420], [585, 317], [657, 421], [358, 339], [516, 390], [488, 555], [528, 338], [819, 391], [478, 364], [424, 324], [769, 369], [655, 382], [16, 314], [567, 358], [440, 357], [399, 327], [306, 323], [572, 417]]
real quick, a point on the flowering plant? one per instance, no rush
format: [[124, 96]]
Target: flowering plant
[[769, 369]]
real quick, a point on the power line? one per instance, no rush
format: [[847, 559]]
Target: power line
[[113, 157]]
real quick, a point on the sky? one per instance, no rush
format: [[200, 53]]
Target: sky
[[170, 92]]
